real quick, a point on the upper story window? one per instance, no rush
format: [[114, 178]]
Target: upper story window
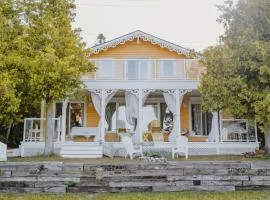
[[137, 69], [168, 68], [105, 67]]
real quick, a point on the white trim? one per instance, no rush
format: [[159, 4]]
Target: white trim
[[145, 37], [141, 84]]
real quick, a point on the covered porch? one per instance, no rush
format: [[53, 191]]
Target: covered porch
[[154, 118]]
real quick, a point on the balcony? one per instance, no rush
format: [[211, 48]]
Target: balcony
[[145, 70]]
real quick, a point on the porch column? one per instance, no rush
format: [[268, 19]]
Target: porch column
[[177, 116], [140, 119], [102, 117], [64, 120]]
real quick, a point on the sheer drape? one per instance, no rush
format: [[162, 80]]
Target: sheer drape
[[171, 104], [96, 99], [132, 113], [214, 133]]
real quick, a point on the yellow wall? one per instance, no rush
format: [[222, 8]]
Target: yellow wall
[[185, 113], [137, 49], [92, 115]]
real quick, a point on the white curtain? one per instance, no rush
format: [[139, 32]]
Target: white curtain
[[171, 104], [132, 113], [214, 133], [96, 100]]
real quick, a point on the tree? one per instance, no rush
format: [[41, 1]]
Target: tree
[[56, 55], [237, 75], [100, 39], [11, 62]]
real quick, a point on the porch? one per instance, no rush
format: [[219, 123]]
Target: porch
[[154, 126]]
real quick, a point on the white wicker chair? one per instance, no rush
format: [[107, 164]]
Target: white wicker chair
[[129, 147], [181, 146]]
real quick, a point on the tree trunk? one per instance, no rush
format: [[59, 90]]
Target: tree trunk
[[49, 130], [267, 139], [8, 131]]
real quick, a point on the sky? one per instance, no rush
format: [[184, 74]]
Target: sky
[[188, 23]]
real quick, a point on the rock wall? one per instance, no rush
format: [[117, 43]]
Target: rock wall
[[157, 177]]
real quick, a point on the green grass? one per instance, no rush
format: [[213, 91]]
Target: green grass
[[126, 160], [247, 195]]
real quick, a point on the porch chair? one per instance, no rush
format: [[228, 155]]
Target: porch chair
[[129, 147], [181, 146], [155, 128]]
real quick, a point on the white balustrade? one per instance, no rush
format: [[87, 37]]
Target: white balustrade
[[146, 69], [237, 130], [33, 130]]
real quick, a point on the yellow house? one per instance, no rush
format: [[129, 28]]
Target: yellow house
[[144, 87]]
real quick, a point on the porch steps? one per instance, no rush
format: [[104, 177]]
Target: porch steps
[[81, 150]]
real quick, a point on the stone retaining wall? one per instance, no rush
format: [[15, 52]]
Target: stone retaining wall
[[157, 177]]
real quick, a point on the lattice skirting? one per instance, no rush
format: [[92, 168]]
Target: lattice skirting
[[195, 148]]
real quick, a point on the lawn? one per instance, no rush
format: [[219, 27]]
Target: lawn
[[250, 195], [123, 160]]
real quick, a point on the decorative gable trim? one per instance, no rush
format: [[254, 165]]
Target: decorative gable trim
[[145, 37]]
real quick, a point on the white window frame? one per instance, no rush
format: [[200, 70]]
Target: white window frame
[[101, 69], [162, 70], [138, 59]]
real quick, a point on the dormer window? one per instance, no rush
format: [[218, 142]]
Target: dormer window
[[168, 68], [105, 67]]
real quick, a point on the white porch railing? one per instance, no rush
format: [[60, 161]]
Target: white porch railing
[[146, 69], [34, 129], [237, 130]]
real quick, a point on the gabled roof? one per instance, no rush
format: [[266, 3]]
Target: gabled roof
[[140, 35]]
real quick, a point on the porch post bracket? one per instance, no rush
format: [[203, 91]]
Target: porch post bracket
[[183, 92], [145, 93], [109, 92], [172, 91], [135, 92], [96, 91]]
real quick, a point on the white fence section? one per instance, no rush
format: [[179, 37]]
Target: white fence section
[[34, 129], [3, 152], [146, 69], [237, 130]]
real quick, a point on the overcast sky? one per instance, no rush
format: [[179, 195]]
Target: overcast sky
[[189, 23]]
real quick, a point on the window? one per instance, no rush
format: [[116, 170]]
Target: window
[[106, 68], [137, 69], [76, 114], [168, 68], [201, 122]]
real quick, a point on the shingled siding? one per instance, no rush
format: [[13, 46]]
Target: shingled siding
[[156, 177]]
